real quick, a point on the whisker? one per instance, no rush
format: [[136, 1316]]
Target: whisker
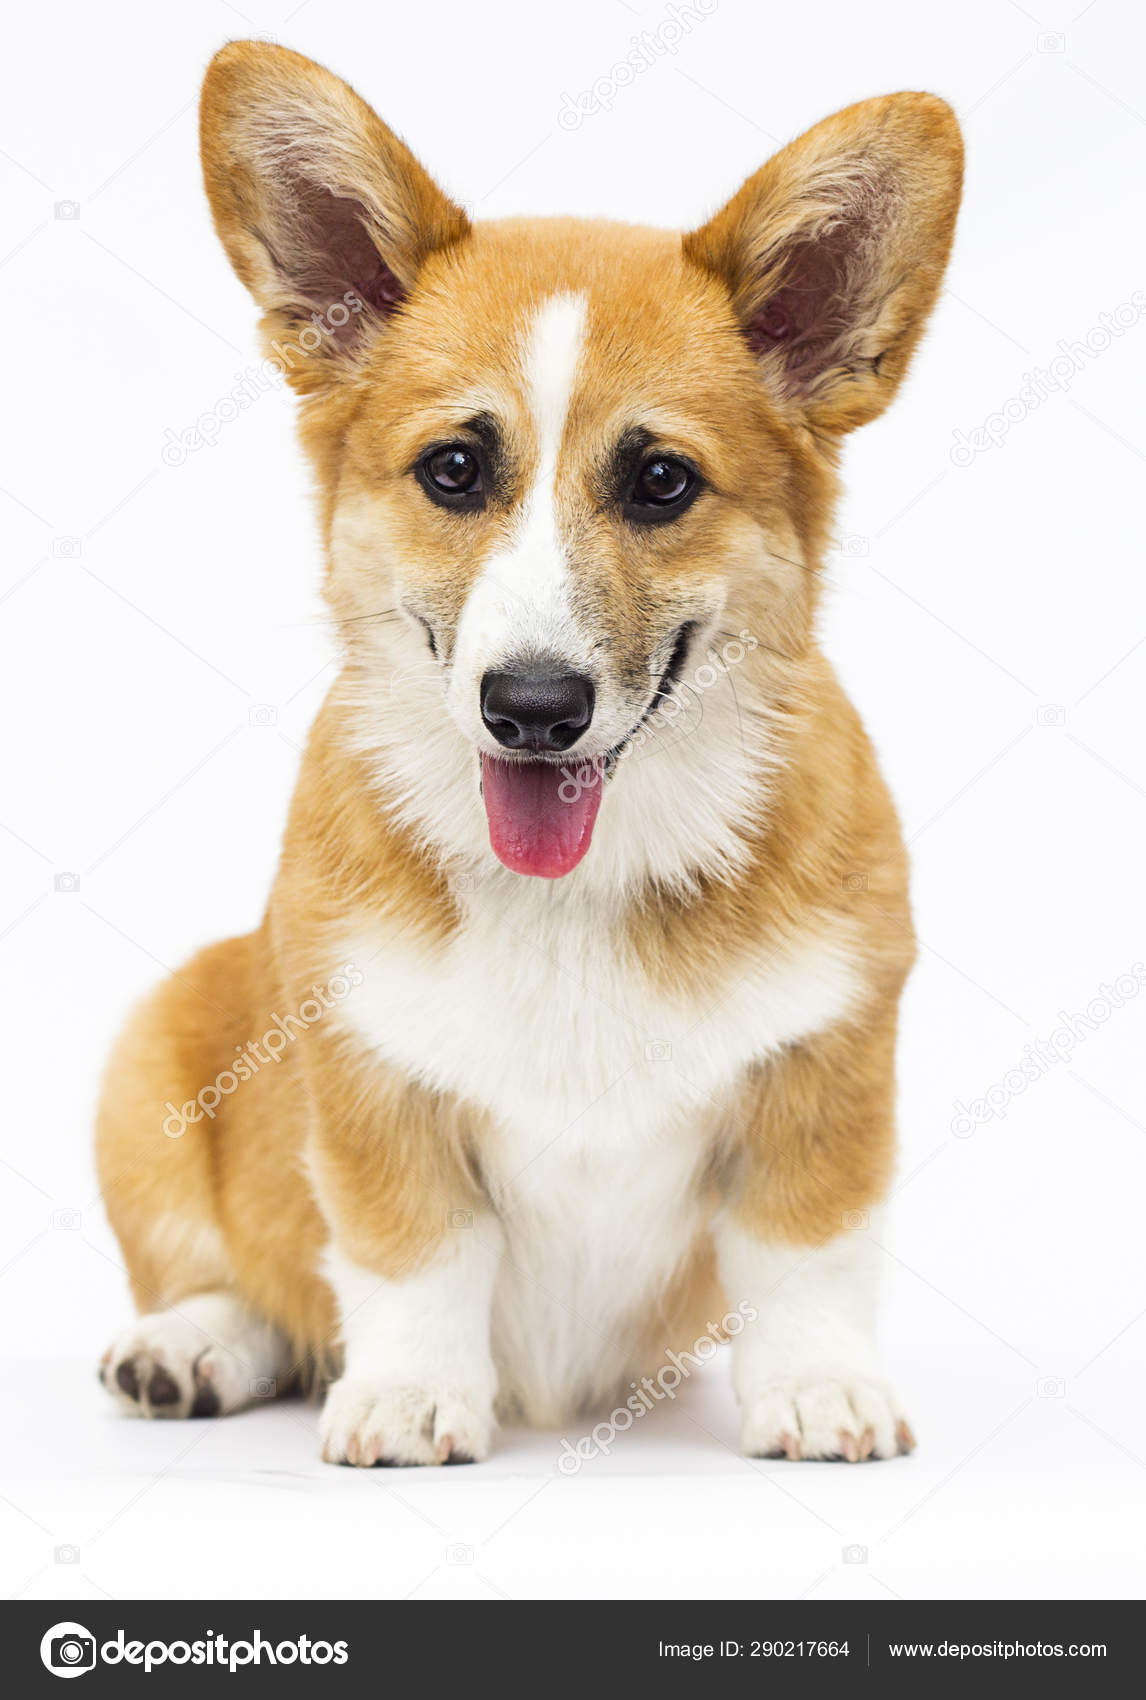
[[769, 649], [355, 619], [330, 620], [812, 572]]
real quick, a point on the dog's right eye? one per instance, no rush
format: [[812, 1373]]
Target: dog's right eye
[[451, 476]]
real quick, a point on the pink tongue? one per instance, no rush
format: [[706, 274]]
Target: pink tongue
[[540, 814]]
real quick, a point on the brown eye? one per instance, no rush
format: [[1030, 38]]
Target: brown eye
[[664, 487], [452, 476]]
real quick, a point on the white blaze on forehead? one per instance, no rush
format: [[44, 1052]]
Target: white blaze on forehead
[[556, 340], [520, 604]]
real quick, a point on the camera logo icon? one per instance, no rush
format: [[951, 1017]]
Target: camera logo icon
[[658, 1050], [263, 714], [67, 1554], [67, 548], [1052, 41], [459, 1554], [1051, 714], [855, 882], [1052, 1387], [68, 1649], [67, 209], [855, 545], [854, 1554], [459, 1218], [66, 882]]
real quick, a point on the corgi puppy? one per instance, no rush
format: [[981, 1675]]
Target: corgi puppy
[[570, 1027]]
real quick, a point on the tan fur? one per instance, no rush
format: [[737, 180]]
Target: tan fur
[[329, 1138]]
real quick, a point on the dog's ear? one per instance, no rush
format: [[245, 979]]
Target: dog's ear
[[834, 251], [326, 216]]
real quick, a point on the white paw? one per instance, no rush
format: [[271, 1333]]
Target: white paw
[[165, 1366], [364, 1423], [819, 1418]]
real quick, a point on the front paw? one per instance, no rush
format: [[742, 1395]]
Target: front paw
[[365, 1423], [821, 1418]]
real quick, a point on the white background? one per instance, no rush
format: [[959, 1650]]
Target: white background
[[148, 609]]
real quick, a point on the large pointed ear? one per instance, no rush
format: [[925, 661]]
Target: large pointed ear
[[834, 252], [326, 216]]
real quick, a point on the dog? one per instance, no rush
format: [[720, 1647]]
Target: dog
[[568, 1037]]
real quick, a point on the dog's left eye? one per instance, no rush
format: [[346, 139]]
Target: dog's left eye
[[663, 487], [451, 476]]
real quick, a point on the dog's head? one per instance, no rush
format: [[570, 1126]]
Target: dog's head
[[576, 477]]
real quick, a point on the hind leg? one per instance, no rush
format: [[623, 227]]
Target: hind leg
[[197, 1348], [205, 1357]]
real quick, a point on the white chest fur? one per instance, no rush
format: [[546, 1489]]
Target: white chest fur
[[600, 1089]]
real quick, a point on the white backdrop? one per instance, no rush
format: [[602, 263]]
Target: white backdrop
[[162, 658]]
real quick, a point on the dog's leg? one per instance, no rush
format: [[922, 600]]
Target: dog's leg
[[412, 1261], [419, 1381], [197, 1348], [207, 1356], [795, 1254], [806, 1368]]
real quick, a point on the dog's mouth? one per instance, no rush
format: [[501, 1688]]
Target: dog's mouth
[[542, 810]]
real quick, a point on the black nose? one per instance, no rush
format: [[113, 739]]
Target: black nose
[[532, 711]]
